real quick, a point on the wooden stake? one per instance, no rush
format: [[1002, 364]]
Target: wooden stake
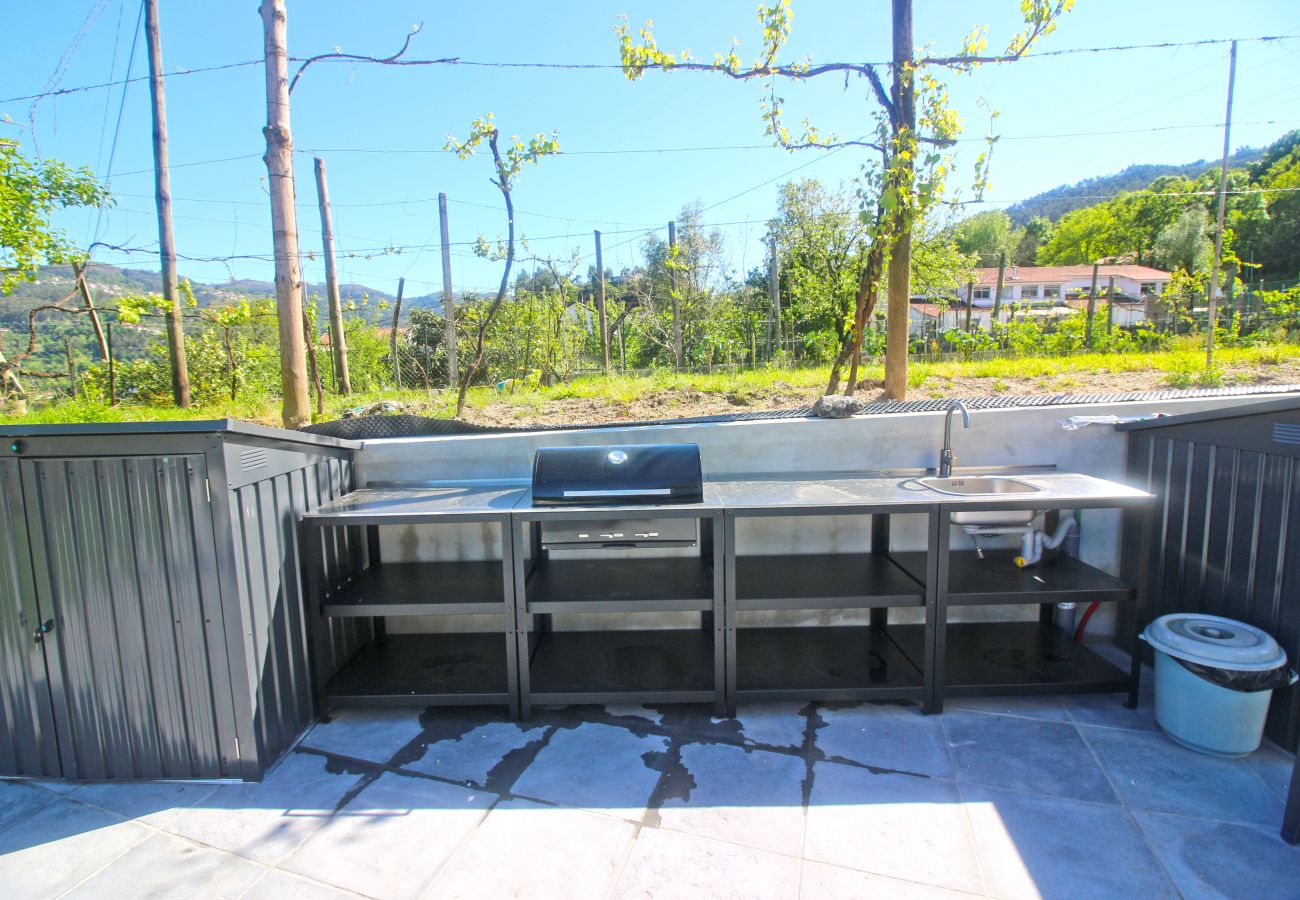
[[970, 302], [448, 295], [163, 199], [112, 369], [338, 340], [72, 367], [310, 340], [898, 309], [1110, 306], [1092, 307], [1218, 228], [600, 306], [997, 296], [95, 323], [677, 304], [392, 337], [296, 409], [774, 293]]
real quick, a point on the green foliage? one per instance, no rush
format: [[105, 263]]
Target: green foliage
[[1185, 242], [986, 235], [30, 192]]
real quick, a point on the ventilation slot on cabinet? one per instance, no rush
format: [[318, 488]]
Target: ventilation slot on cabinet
[[253, 459], [1286, 433]]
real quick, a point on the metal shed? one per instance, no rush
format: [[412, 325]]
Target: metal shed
[[151, 620], [1227, 530]]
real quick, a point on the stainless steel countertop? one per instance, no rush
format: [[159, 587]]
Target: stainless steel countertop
[[496, 500]]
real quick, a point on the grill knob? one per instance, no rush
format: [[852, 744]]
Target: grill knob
[[617, 457]]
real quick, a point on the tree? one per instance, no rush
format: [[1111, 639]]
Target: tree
[[1036, 233], [507, 168], [987, 236], [1185, 242], [30, 192], [912, 125], [1083, 236]]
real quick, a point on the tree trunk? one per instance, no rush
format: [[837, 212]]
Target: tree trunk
[[900, 253], [296, 409], [338, 340], [163, 199]]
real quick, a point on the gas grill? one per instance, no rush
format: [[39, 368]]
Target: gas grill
[[629, 475]]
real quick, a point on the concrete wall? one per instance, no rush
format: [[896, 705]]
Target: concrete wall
[[1008, 437]]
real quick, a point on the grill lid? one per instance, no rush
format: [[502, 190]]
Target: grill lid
[[631, 473]]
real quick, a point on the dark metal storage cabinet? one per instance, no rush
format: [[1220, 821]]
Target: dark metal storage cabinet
[[151, 620], [1227, 531]]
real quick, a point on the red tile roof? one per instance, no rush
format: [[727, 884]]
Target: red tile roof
[[1059, 274]]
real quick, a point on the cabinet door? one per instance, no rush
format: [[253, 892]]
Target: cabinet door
[[124, 565], [28, 744]]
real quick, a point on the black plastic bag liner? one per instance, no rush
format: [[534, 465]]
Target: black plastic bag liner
[[1243, 682]]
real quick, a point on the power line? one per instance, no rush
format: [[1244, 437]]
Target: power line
[[121, 108], [60, 92]]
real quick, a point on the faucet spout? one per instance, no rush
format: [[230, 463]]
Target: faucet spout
[[946, 459]]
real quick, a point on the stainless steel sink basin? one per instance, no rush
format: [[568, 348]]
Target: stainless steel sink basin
[[980, 485]]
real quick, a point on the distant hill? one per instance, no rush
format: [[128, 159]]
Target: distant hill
[[1068, 197]]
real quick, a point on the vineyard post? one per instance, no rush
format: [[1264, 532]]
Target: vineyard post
[[600, 305], [970, 302], [448, 295], [72, 367], [1092, 307], [1211, 317], [309, 338], [997, 296], [392, 338], [338, 340], [1110, 306], [112, 368], [677, 305], [774, 295], [80, 273]]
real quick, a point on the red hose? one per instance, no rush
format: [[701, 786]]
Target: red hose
[[1083, 623]]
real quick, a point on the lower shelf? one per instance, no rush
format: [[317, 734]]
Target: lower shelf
[[828, 663], [426, 670], [989, 659], [612, 666]]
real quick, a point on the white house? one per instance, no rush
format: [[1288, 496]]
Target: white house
[[1049, 285]]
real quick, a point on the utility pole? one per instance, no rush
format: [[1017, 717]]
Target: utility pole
[[677, 306], [1218, 228], [448, 296], [392, 336], [338, 341], [1092, 307], [296, 408], [600, 305], [163, 199], [997, 297], [774, 293]]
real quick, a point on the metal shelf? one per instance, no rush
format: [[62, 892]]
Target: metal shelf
[[824, 581], [665, 665], [426, 670], [829, 663], [996, 579], [657, 584], [421, 589], [989, 659]]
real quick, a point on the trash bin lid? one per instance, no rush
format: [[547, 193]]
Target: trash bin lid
[[1215, 641]]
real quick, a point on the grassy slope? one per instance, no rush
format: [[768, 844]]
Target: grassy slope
[[684, 395]]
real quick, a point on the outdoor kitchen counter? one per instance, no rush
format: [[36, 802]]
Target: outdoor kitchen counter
[[405, 504]]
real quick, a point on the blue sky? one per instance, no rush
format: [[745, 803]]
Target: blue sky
[[347, 113]]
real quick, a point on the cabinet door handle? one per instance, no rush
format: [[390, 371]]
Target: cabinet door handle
[[38, 636]]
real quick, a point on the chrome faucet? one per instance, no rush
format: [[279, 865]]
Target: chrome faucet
[[946, 458]]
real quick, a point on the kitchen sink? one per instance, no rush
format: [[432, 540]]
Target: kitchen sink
[[980, 485]]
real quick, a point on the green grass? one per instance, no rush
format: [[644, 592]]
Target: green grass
[[1184, 367]]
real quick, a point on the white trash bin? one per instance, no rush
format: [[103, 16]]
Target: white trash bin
[[1214, 680]]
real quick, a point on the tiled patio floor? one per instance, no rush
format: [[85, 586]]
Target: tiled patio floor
[[1069, 797]]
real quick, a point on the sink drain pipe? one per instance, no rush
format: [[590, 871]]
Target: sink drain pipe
[[1032, 541]]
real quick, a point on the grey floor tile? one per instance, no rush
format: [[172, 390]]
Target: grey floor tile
[[1109, 711], [525, 849], [887, 736], [1034, 846], [392, 838], [265, 821], [665, 864], [1025, 755], [168, 866], [1274, 765], [19, 800], [596, 767], [751, 797], [1152, 772], [370, 734], [902, 826], [59, 845], [1049, 708], [153, 802], [773, 724], [1214, 859], [471, 757], [277, 885], [57, 787], [821, 881]]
